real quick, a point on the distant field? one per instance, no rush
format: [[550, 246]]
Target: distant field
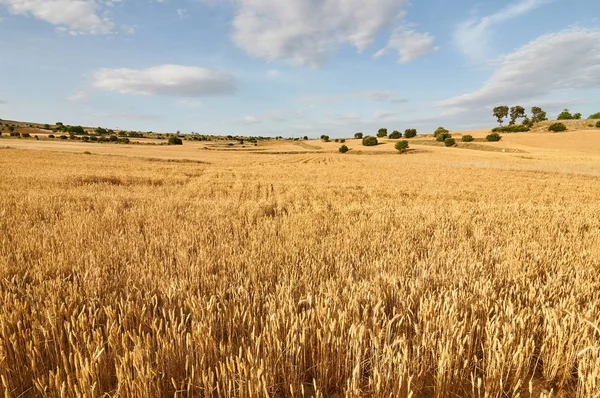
[[287, 269]]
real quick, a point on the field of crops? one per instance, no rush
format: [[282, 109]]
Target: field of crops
[[321, 275]]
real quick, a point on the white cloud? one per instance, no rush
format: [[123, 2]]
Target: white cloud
[[78, 96], [306, 32], [248, 120], [128, 29], [167, 80], [472, 36], [384, 96], [550, 64], [181, 12], [409, 44], [74, 16]]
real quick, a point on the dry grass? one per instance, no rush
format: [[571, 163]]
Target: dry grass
[[297, 275]]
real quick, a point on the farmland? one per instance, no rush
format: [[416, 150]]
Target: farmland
[[288, 269]]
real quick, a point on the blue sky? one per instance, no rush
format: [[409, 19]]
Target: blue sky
[[294, 67]]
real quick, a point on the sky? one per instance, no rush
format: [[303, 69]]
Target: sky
[[295, 67]]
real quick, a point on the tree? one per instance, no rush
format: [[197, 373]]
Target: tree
[[401, 146], [595, 116], [369, 141], [325, 138], [410, 133], [382, 132], [577, 116], [527, 122], [516, 112], [501, 112], [441, 137], [440, 130], [76, 130], [46, 126], [395, 135], [358, 136], [11, 128], [565, 115], [538, 114], [173, 140]]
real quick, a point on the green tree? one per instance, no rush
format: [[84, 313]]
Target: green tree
[[577, 116], [369, 141], [382, 132], [516, 112], [358, 136], [401, 146], [441, 137], [565, 115], [395, 135], [538, 114], [595, 116], [173, 140], [325, 138], [410, 133], [501, 112], [440, 130], [11, 128]]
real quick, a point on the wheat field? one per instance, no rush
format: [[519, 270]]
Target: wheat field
[[315, 275]]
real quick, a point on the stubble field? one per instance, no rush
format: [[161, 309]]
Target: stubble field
[[437, 273]]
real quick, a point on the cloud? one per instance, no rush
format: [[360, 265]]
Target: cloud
[[75, 16], [79, 96], [131, 116], [166, 80], [472, 36], [550, 64], [3, 102], [409, 44], [181, 12], [306, 32], [387, 96], [248, 120]]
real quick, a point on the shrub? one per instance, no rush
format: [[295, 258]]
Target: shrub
[[382, 132], [113, 138], [395, 135], [557, 127], [441, 137], [598, 124], [86, 138], [76, 130], [369, 141], [440, 130], [93, 138], [0, 133], [343, 149], [527, 122], [343, 140], [25, 135], [493, 137], [11, 128], [449, 142], [401, 146], [175, 141], [337, 140], [410, 133], [51, 136], [14, 134], [467, 138], [595, 116], [565, 115], [46, 127], [325, 138], [358, 136], [305, 138], [515, 128], [87, 153], [63, 137]]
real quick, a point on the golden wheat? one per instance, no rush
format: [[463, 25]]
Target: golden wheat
[[299, 275]]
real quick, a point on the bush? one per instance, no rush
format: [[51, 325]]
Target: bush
[[87, 153], [395, 135], [598, 124], [113, 138], [449, 142], [467, 138], [515, 128], [382, 132], [401, 146], [441, 137], [337, 140], [440, 130], [25, 135], [51, 136], [343, 149], [493, 137], [369, 141], [557, 127], [410, 133], [343, 140], [86, 138], [46, 127], [63, 137], [325, 138], [358, 136], [175, 141], [93, 138]]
